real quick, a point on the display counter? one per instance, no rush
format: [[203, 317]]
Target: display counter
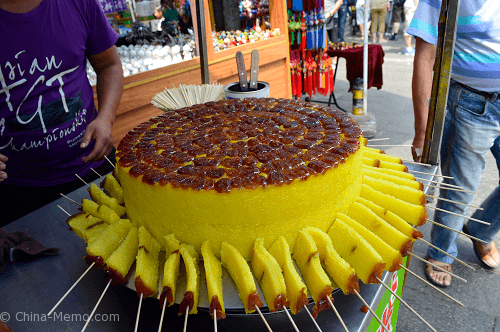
[[135, 106], [30, 289]]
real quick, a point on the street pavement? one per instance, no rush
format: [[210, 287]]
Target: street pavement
[[393, 110]]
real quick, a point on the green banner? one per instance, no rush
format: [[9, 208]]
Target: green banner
[[388, 307]]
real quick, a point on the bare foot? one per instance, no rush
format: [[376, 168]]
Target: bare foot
[[436, 276]]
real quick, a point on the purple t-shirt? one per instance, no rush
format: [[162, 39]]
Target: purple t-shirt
[[46, 101]]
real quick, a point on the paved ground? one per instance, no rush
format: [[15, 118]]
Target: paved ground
[[392, 107]]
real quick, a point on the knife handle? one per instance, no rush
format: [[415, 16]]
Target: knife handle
[[254, 70], [242, 72]]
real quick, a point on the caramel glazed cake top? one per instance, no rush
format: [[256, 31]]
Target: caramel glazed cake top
[[234, 144]]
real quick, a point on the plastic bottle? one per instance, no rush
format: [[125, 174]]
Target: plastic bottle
[[357, 96]]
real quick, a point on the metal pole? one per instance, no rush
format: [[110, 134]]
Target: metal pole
[[202, 41], [440, 85], [365, 59]]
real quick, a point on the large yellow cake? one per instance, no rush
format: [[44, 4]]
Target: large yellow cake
[[237, 170]]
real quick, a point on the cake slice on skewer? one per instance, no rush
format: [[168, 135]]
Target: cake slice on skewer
[[411, 213], [394, 220], [109, 240], [341, 272], [147, 263], [407, 194], [119, 263], [101, 198], [356, 251], [391, 256], [240, 272], [113, 188], [402, 181], [306, 256], [213, 274], [100, 211], [364, 216], [270, 277], [384, 164], [170, 270], [296, 290], [191, 295], [86, 226]]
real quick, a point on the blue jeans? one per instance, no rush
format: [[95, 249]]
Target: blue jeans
[[342, 17], [472, 127]]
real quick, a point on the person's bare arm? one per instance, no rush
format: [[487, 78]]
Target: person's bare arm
[[423, 65], [108, 68], [335, 8]]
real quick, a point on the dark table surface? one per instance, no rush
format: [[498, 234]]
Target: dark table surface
[[28, 290]]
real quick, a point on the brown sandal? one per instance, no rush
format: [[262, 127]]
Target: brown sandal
[[430, 269]]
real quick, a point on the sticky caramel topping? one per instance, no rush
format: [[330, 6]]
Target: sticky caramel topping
[[234, 144]]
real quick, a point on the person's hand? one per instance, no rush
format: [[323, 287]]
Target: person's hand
[[3, 159], [417, 147], [100, 131]]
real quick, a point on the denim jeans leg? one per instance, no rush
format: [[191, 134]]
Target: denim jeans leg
[[491, 206], [471, 127], [342, 14]]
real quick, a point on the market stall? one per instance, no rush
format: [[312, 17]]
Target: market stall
[[31, 288]]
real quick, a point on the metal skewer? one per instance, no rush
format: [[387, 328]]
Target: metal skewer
[[70, 289], [436, 266], [439, 182], [449, 200], [314, 320], [99, 175], [70, 199], [138, 313], [291, 320], [262, 316], [97, 304], [78, 176], [459, 215], [162, 314], [186, 318], [447, 254], [438, 175], [69, 215], [338, 315], [371, 311], [406, 304], [427, 283], [450, 188], [109, 161], [215, 320], [454, 230]]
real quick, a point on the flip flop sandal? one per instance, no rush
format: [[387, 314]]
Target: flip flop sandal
[[430, 268]]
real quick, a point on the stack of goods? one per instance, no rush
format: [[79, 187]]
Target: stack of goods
[[254, 13], [343, 46], [256, 183], [227, 39], [187, 95]]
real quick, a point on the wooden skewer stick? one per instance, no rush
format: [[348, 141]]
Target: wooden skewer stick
[[265, 321], [454, 230], [186, 318], [70, 199], [450, 188], [449, 200], [99, 175], [314, 320], [427, 283], [381, 146], [371, 310], [109, 161], [70, 289], [215, 320], [97, 304], [407, 305], [414, 162], [378, 139], [338, 315], [447, 254], [438, 182], [162, 314], [138, 313], [438, 175], [436, 266], [456, 214], [69, 215], [78, 176], [290, 318]]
